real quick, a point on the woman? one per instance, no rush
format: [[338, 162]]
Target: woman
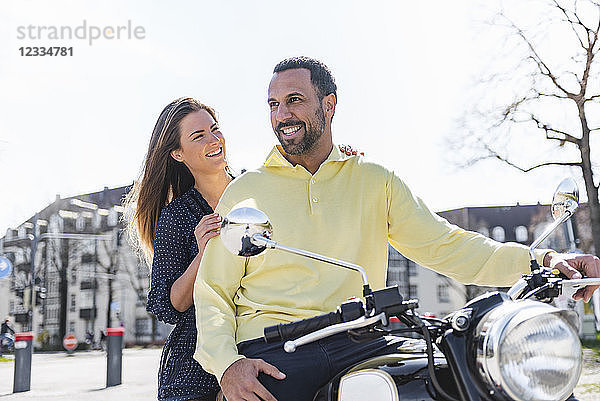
[[184, 175]]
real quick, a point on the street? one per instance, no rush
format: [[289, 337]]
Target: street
[[82, 376]]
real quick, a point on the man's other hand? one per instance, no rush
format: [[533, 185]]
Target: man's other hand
[[239, 381], [573, 265]]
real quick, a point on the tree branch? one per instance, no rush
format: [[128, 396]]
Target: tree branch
[[554, 94], [511, 109], [565, 137], [526, 170], [492, 154], [572, 23], [589, 58], [135, 283], [107, 252], [537, 59], [548, 129], [545, 71], [574, 74]]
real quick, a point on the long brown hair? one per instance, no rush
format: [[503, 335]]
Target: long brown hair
[[162, 178]]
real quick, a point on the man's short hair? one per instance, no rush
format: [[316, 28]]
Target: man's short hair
[[320, 75]]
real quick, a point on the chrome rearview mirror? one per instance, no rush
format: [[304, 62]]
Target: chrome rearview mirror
[[566, 198], [247, 232], [564, 204], [239, 226]]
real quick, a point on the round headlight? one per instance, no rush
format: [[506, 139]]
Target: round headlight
[[529, 351]]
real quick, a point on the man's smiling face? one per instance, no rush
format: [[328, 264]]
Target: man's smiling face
[[297, 115]]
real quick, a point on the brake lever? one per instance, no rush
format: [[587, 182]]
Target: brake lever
[[290, 346]]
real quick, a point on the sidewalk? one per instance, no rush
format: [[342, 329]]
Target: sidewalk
[[82, 376], [588, 388]]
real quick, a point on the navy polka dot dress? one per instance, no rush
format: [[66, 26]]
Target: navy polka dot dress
[[180, 377]]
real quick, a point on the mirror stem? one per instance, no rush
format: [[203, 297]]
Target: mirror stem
[[260, 240], [545, 235]]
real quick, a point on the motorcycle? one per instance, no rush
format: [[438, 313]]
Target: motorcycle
[[499, 346]]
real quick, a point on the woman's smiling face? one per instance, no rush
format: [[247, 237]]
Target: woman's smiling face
[[202, 147]]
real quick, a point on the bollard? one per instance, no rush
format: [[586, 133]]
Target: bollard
[[114, 356], [23, 352]]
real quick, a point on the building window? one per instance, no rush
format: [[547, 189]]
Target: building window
[[142, 327], [86, 298], [97, 221], [412, 291], [68, 224], [80, 223], [71, 327], [55, 225], [113, 217], [73, 304], [484, 231], [521, 234], [498, 234], [53, 287], [412, 268], [394, 275], [443, 293]]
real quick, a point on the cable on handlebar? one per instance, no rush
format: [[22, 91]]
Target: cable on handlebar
[[430, 361]]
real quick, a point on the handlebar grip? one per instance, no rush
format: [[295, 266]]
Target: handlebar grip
[[282, 332]]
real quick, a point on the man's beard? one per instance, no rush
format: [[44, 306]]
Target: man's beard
[[312, 134]]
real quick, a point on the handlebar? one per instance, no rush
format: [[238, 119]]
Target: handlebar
[[581, 282], [531, 284], [363, 321], [347, 311], [282, 332]]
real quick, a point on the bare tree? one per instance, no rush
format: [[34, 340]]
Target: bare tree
[[138, 274], [552, 109], [113, 262]]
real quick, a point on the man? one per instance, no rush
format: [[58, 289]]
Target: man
[[6, 333], [341, 206]]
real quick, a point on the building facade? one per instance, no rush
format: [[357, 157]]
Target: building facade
[[86, 276]]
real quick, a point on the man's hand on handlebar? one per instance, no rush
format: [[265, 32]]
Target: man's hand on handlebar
[[573, 266], [239, 381]]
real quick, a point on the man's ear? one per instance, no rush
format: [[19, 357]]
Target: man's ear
[[176, 154], [329, 103]]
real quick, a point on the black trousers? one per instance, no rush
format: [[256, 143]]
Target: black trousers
[[311, 366]]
